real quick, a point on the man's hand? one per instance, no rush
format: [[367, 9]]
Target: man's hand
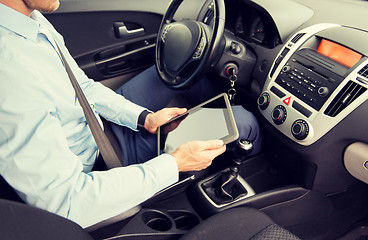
[[197, 155], [155, 120]]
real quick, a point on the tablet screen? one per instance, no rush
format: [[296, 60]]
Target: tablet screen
[[210, 120]]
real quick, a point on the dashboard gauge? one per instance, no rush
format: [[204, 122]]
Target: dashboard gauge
[[257, 30]]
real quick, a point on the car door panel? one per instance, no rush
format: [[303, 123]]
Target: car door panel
[[104, 53]]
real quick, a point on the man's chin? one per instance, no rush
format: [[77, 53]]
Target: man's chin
[[52, 7]]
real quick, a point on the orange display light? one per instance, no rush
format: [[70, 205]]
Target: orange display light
[[338, 53]]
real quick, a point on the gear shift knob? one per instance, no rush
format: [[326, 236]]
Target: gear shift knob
[[244, 148]]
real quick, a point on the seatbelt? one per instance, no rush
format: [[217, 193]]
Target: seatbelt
[[103, 143]]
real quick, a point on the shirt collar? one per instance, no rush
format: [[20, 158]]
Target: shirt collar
[[28, 27]]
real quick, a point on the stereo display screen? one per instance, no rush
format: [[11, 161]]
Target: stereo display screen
[[338, 53]]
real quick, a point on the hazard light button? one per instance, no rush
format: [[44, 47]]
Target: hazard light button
[[287, 101]]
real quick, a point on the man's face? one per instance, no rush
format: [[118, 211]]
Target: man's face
[[42, 5]]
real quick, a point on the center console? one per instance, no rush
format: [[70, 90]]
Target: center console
[[317, 79]]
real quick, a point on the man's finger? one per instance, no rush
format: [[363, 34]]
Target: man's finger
[[215, 152], [213, 144], [178, 111]]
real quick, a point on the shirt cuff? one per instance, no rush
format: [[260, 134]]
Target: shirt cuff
[[166, 169]]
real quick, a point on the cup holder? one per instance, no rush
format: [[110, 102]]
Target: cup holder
[[170, 220], [157, 220], [184, 220]]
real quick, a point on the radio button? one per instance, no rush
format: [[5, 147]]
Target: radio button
[[286, 69], [323, 91]]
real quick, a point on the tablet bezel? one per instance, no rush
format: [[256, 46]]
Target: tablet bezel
[[229, 118]]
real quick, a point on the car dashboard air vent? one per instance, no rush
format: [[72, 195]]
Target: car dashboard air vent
[[297, 37], [347, 95], [364, 71], [209, 15]]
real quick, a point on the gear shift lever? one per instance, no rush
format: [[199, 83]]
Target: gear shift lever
[[244, 148], [225, 187]]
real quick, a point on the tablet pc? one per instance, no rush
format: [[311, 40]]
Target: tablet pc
[[210, 120]]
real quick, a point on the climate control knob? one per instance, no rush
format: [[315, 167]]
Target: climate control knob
[[300, 129], [263, 101], [279, 114]]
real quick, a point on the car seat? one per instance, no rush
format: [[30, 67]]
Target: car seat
[[20, 221]]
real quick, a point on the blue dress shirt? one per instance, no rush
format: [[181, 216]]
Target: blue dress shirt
[[46, 148]]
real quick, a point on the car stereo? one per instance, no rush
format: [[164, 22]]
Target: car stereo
[[312, 75], [314, 83]]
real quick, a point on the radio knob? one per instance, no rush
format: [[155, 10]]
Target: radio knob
[[286, 69], [323, 91], [263, 101], [300, 129], [279, 114]]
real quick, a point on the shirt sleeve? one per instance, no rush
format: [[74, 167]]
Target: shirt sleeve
[[108, 104], [35, 159]]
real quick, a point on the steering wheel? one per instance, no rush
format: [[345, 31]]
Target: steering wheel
[[185, 49]]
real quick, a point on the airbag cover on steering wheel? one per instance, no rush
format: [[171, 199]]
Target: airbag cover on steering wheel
[[181, 42]]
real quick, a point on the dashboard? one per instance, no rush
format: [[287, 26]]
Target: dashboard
[[251, 24], [309, 81], [312, 76]]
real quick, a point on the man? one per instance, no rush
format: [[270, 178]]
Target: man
[[46, 148]]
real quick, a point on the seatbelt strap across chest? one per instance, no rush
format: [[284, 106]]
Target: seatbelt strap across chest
[[103, 143]]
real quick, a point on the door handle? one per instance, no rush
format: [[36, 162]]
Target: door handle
[[122, 31]]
